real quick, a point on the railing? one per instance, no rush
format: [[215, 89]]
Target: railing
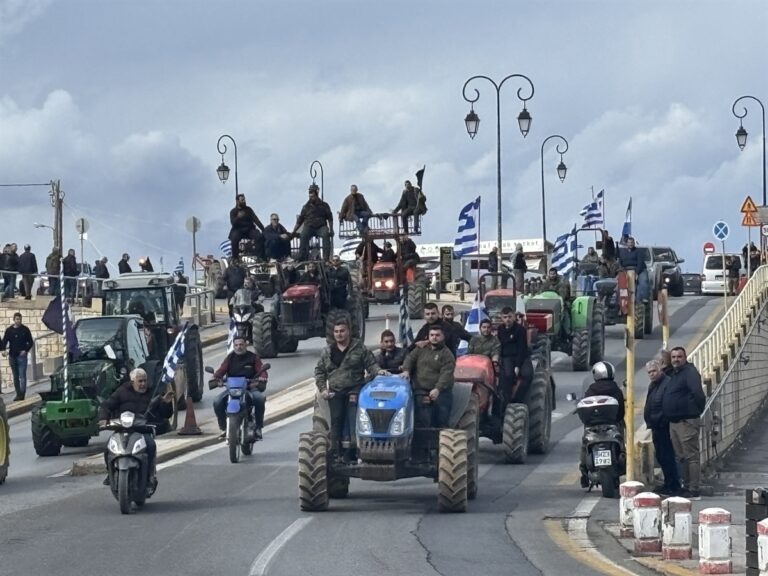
[[79, 288], [201, 304], [382, 226]]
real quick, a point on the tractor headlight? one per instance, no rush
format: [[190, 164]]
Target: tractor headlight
[[377, 284], [114, 445], [364, 423], [389, 283], [667, 279], [397, 427], [126, 419], [140, 446]]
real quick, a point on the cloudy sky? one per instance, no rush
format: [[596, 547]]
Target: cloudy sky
[[123, 101]]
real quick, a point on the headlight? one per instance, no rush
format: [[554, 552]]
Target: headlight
[[389, 283], [667, 280], [139, 446], [126, 419], [236, 392], [237, 317], [397, 427], [114, 445], [377, 284], [363, 423]]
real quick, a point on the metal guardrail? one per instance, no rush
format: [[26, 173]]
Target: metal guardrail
[[202, 305]]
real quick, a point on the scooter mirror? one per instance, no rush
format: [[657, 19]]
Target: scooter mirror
[[209, 369], [266, 366], [571, 397], [109, 351]]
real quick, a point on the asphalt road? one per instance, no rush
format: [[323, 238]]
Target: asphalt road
[[210, 516]]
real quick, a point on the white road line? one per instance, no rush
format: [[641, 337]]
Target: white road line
[[263, 560]]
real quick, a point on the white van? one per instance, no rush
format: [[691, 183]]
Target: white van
[[712, 274]]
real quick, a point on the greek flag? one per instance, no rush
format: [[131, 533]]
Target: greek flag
[[404, 324], [349, 246], [626, 230], [593, 215], [564, 252], [231, 336], [599, 198], [180, 266], [468, 234], [174, 356], [476, 314], [226, 248]]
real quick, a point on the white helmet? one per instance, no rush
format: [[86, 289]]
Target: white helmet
[[603, 371]]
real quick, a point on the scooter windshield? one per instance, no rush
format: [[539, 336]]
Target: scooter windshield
[[243, 297]]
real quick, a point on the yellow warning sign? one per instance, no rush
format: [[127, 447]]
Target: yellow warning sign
[[749, 220], [748, 208]]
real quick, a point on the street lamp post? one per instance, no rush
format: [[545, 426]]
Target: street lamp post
[[472, 122], [313, 174], [741, 133], [223, 169], [561, 171], [51, 228]]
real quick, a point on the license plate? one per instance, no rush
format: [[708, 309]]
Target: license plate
[[718, 276], [603, 458]]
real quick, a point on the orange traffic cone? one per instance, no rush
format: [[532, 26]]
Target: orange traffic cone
[[190, 422]]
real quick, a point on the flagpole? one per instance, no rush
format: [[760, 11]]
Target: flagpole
[[64, 328], [603, 215], [479, 219]]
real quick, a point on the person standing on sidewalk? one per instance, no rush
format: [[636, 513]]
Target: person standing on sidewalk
[[519, 268], [493, 266], [659, 427], [53, 269], [17, 342], [28, 270], [682, 405]]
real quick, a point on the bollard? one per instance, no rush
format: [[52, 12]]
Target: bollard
[[627, 491], [714, 541], [646, 522], [676, 529], [762, 547]]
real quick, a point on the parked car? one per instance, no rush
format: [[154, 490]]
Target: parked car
[[692, 283], [712, 274]]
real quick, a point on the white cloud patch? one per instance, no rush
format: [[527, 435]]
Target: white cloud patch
[[16, 14]]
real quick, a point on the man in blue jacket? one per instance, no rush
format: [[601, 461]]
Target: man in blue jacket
[[630, 258], [682, 406]]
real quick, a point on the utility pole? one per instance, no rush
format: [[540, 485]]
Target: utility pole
[[57, 201]]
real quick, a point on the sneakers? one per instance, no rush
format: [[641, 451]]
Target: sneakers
[[223, 435], [584, 481], [257, 434], [663, 490], [106, 481], [689, 494]]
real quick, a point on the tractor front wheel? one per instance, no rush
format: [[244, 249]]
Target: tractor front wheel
[[452, 471], [43, 439]]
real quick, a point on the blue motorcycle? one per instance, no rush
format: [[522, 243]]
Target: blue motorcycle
[[241, 421]]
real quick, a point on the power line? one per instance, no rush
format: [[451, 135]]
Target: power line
[[23, 185]]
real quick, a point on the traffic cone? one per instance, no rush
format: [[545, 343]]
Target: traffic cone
[[190, 422]]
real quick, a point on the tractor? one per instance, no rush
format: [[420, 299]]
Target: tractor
[[152, 296], [387, 282], [109, 347], [299, 308], [392, 443], [613, 294]]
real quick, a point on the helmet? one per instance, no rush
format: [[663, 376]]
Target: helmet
[[603, 371]]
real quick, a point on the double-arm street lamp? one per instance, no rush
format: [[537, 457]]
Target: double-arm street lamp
[[472, 122], [223, 170], [741, 133], [313, 174], [561, 171]]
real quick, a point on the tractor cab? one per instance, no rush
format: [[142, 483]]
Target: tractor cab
[[494, 298]]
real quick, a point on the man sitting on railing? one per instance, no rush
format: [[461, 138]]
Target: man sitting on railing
[[355, 209], [315, 221]]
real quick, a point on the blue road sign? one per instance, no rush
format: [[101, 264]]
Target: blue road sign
[[720, 230]]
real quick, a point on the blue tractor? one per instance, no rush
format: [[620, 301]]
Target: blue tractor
[[392, 442]]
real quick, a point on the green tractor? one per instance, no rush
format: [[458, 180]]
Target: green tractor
[[109, 348], [579, 332]]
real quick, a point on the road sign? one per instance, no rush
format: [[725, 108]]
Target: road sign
[[709, 248], [764, 229], [748, 207], [82, 225], [749, 219], [193, 224], [720, 230]]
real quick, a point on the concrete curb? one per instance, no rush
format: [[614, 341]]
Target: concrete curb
[[24, 406], [95, 464]]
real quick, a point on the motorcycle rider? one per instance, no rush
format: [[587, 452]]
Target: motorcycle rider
[[339, 375], [390, 357], [604, 384], [244, 363], [135, 396]]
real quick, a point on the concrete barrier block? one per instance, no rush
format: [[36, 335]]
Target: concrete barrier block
[[627, 492], [676, 529], [762, 547], [50, 365], [646, 522], [714, 541]]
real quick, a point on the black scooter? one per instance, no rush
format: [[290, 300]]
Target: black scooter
[[128, 461]]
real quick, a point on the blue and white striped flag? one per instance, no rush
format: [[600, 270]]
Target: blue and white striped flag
[[593, 215], [349, 246], [226, 248], [174, 356], [468, 235], [626, 230], [476, 314], [231, 335], [179, 266], [599, 198], [564, 253], [404, 324]]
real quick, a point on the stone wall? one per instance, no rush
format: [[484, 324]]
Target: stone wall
[[48, 345]]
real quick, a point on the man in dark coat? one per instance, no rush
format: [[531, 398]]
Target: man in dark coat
[[277, 240], [17, 341], [356, 209], [28, 270], [432, 318], [315, 221], [11, 265], [493, 266], [457, 330], [338, 283], [653, 414], [390, 357], [516, 364], [123, 267], [70, 273], [245, 226]]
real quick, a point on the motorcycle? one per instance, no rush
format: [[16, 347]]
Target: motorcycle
[[602, 443], [243, 311], [128, 461], [241, 420]]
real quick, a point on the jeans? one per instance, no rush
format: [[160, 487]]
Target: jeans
[[643, 289], [319, 232], [236, 235], [508, 379], [19, 371], [665, 454], [685, 439], [256, 399], [436, 414], [10, 285], [343, 406], [53, 285], [278, 248], [70, 287], [28, 280], [361, 217]]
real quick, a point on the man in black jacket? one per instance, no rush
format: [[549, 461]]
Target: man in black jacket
[[683, 403], [457, 331], [338, 282], [390, 357], [70, 274], [136, 396], [11, 265], [277, 240], [17, 342], [515, 359], [432, 318], [653, 414], [28, 270], [123, 267], [315, 221], [245, 226]]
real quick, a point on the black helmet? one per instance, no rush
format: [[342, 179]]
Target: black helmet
[[603, 371]]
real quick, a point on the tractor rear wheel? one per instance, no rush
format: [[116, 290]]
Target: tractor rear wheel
[[580, 350], [5, 442], [193, 364], [417, 298], [542, 350], [469, 423], [78, 442], [313, 471], [514, 435], [452, 471], [287, 344], [597, 337], [264, 335], [43, 439], [639, 321], [539, 413]]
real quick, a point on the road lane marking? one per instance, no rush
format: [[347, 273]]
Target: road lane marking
[[569, 479], [261, 563], [570, 535]]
